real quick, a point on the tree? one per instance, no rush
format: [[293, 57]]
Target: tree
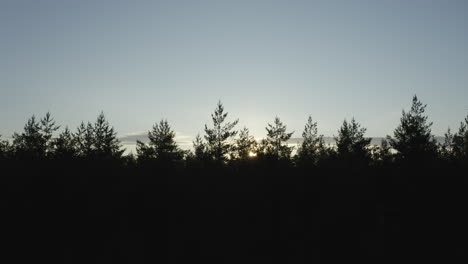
[[312, 145], [351, 144], [162, 145], [5, 149], [84, 139], [99, 141], [35, 141], [412, 139], [382, 155], [48, 127], [106, 143], [460, 143], [198, 156], [245, 145], [30, 142], [199, 148], [218, 136], [446, 148], [144, 151], [275, 143], [64, 146]]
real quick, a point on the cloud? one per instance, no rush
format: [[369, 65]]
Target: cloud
[[131, 138]]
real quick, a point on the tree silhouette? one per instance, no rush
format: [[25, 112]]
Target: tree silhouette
[[48, 127], [412, 144], [460, 144], [245, 145], [446, 148], [312, 145], [382, 155], [351, 145], [30, 140], [217, 138], [199, 148], [275, 143], [64, 146], [144, 151], [35, 141], [106, 144], [162, 145], [412, 138], [5, 149], [84, 139], [99, 141]]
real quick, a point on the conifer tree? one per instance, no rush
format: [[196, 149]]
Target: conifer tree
[[199, 148], [35, 141], [106, 143], [263, 148], [275, 143], [351, 144], [5, 149], [198, 156], [460, 144], [445, 148], [99, 141], [162, 145], [64, 146], [413, 138], [245, 145], [144, 151], [84, 138], [30, 141], [48, 127], [312, 145], [382, 155], [218, 136]]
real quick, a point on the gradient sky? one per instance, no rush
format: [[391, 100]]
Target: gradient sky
[[140, 61]]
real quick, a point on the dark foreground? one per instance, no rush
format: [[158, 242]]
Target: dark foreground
[[89, 214]]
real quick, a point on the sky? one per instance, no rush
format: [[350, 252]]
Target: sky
[[141, 61]]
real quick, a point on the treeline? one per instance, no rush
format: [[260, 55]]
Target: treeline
[[232, 199], [222, 144]]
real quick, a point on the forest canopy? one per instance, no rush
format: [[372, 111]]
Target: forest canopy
[[224, 144]]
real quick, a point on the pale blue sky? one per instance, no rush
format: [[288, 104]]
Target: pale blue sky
[[141, 61]]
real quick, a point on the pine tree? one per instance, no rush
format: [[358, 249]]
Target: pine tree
[[382, 155], [31, 143], [64, 146], [48, 127], [245, 145], [84, 139], [445, 148], [275, 143], [217, 138], [162, 145], [199, 148], [106, 143], [198, 156], [312, 146], [144, 151], [99, 141], [412, 138], [5, 149], [351, 144], [460, 144]]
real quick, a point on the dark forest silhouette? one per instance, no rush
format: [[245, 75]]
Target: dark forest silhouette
[[232, 199], [412, 144]]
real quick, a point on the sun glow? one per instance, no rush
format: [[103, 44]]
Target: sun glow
[[252, 154]]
